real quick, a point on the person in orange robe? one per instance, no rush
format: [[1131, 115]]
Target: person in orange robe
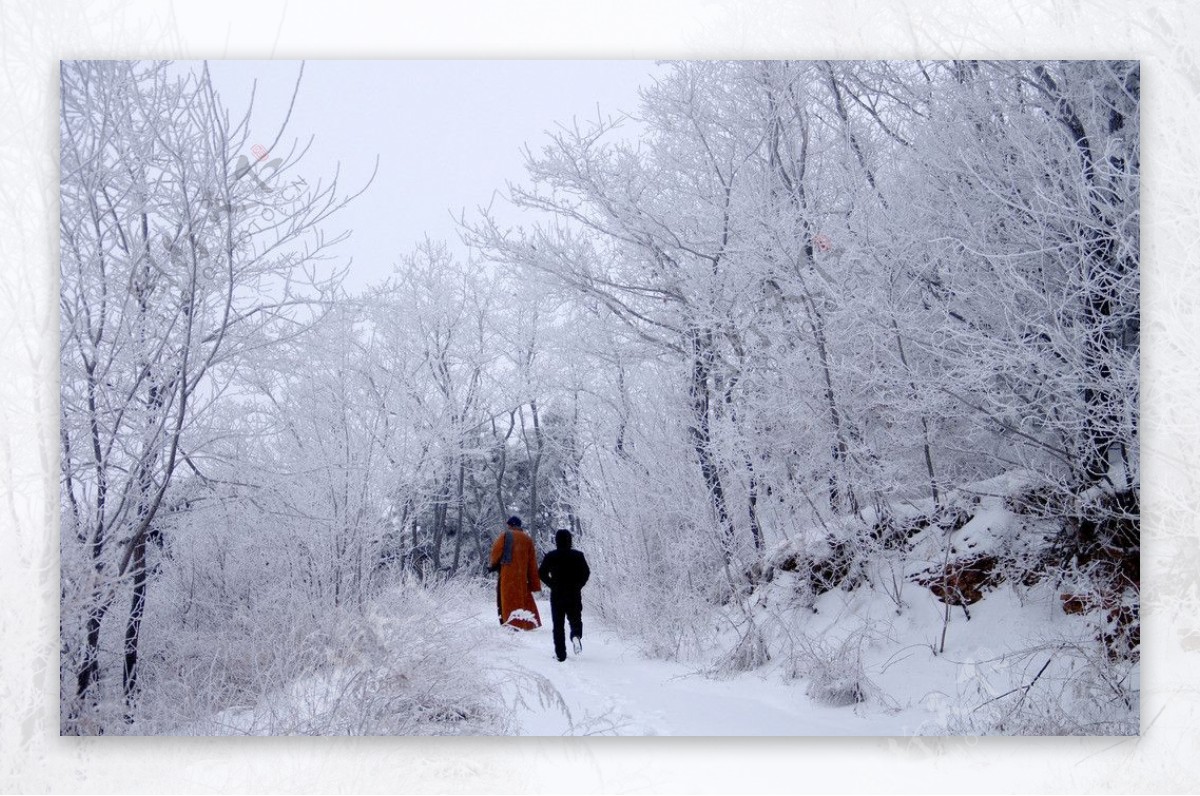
[[513, 554]]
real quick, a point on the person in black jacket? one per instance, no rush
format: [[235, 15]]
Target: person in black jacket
[[565, 571]]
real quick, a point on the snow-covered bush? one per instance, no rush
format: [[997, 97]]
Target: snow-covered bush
[[657, 570], [748, 654], [833, 668], [396, 668], [1069, 688]]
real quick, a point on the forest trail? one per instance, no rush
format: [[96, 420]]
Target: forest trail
[[613, 689]]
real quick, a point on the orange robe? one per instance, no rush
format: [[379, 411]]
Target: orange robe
[[518, 580]]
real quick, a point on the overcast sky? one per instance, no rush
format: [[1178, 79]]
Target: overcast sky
[[448, 133]]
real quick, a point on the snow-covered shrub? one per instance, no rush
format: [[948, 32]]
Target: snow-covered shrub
[[1070, 688], [657, 569], [833, 667], [748, 654], [669, 613], [394, 667]]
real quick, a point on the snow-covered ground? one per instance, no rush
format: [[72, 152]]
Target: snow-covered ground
[[611, 689], [434, 660]]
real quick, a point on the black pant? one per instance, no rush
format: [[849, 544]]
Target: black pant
[[569, 605]]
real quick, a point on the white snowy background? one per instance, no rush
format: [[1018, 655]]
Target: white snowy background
[[35, 758]]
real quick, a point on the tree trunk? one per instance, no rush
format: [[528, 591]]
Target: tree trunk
[[405, 515], [534, 468], [133, 628], [841, 495], [619, 446], [89, 669], [700, 432], [752, 500], [933, 487], [502, 462], [439, 518], [458, 534], [571, 469], [474, 521]]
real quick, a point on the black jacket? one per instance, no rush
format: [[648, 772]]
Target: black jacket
[[564, 570]]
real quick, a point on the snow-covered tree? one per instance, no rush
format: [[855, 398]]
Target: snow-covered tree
[[179, 260]]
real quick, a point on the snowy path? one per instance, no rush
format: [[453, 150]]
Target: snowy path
[[611, 689]]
